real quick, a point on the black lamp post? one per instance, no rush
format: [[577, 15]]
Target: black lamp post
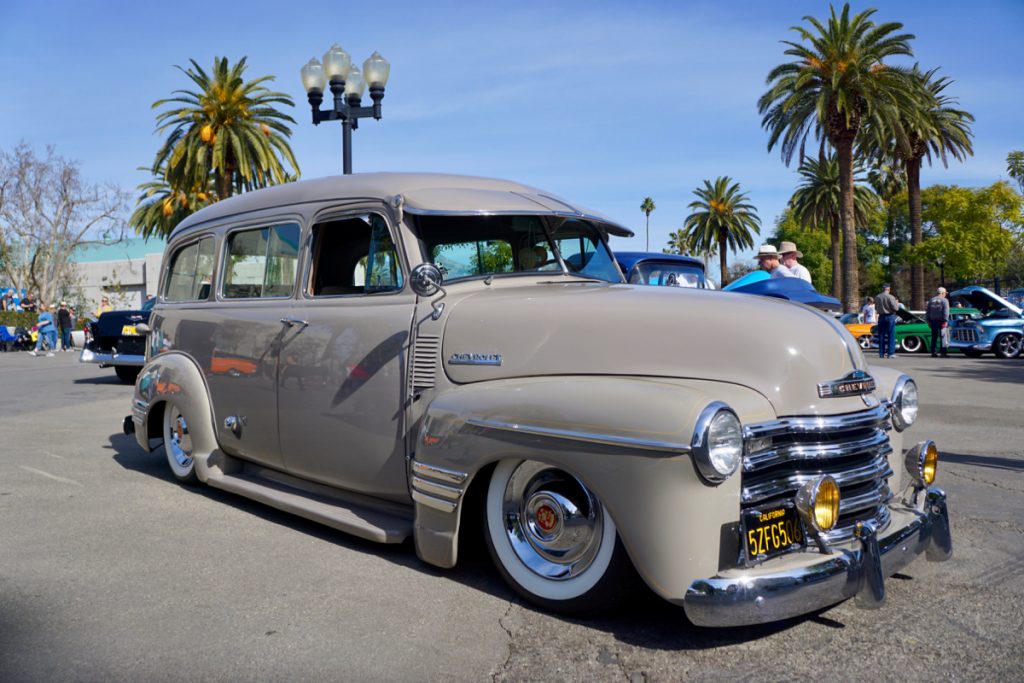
[[942, 271], [347, 85]]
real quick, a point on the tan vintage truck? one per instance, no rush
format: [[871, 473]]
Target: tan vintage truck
[[402, 355]]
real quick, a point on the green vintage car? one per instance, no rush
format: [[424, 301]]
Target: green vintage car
[[913, 334]]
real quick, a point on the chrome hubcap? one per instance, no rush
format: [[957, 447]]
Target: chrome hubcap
[[179, 445], [1009, 345], [553, 522]]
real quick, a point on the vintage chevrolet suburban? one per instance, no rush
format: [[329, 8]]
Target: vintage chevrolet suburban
[[398, 355]]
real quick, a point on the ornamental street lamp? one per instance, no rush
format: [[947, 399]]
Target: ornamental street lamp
[[347, 84], [942, 270]]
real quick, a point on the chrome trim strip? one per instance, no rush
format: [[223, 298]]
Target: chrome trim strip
[[583, 437], [819, 424], [811, 451], [438, 473], [431, 502], [440, 490], [756, 596]]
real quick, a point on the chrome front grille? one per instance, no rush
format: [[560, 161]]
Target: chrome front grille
[[964, 334], [853, 448]]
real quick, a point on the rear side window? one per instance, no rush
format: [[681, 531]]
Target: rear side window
[[191, 272], [261, 263]]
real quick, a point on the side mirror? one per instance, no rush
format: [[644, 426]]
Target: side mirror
[[426, 279]]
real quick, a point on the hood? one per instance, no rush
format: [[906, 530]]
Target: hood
[[779, 349], [984, 300]]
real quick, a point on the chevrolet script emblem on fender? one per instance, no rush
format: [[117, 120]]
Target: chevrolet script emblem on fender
[[475, 359], [855, 383]]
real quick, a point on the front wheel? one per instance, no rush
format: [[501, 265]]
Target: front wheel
[[1007, 346], [553, 541], [911, 344], [865, 341], [178, 446]]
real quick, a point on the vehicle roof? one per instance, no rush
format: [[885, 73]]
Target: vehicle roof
[[426, 193], [628, 259]]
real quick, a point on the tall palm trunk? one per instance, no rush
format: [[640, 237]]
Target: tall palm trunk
[[647, 234], [721, 261], [851, 278], [914, 199], [834, 254]]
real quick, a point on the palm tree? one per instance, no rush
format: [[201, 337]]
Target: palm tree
[[721, 217], [888, 181], [647, 206], [837, 82], [229, 128], [160, 207], [1015, 167], [678, 243], [938, 128], [817, 202]]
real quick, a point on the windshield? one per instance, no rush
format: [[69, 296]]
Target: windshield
[[667, 274], [479, 246]]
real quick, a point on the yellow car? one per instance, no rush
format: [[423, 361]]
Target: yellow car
[[860, 331]]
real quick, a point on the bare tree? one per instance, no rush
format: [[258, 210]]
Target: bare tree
[[46, 212]]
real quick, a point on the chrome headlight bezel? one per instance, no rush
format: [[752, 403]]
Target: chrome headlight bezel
[[717, 443], [904, 403], [922, 463]]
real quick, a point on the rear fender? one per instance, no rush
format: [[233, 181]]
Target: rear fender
[[173, 378]]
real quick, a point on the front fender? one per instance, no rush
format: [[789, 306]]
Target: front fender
[[627, 439], [173, 378]]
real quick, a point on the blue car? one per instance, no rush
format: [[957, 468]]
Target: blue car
[[790, 288], [651, 268], [999, 329]]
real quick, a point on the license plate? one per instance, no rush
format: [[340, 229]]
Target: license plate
[[129, 331], [768, 533]]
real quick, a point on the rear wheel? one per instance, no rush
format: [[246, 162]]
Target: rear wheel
[[553, 541], [1007, 346], [911, 344], [178, 446], [127, 373]]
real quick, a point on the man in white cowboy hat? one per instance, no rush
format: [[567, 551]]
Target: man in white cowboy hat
[[768, 259], [790, 254]]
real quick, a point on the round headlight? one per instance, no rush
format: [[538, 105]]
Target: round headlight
[[717, 442], [904, 403], [817, 502], [922, 462]]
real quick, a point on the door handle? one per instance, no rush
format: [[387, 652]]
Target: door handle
[[292, 322]]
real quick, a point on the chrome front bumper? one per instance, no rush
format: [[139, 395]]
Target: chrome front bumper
[[105, 359], [857, 573]]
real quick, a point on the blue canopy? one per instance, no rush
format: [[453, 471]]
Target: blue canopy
[[790, 288], [749, 278]]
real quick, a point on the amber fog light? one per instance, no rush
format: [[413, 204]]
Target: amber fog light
[[817, 502], [922, 462]]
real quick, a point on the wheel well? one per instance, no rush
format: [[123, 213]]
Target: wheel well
[[471, 528], [155, 422]]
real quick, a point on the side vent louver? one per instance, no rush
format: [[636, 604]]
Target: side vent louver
[[424, 362]]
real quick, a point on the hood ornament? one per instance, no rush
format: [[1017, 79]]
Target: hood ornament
[[854, 383]]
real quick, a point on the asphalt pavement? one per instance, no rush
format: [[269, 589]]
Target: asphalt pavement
[[111, 571]]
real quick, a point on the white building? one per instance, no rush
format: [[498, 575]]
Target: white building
[[125, 271]]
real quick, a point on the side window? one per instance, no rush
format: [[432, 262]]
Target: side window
[[261, 263], [354, 255], [190, 272]]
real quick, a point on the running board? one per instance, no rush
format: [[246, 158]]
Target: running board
[[369, 518]]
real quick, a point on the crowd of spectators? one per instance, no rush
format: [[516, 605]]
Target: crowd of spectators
[[53, 328]]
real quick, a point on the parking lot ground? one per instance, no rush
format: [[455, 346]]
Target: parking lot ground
[[111, 571]]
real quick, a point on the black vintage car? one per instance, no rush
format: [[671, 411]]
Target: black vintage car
[[116, 341]]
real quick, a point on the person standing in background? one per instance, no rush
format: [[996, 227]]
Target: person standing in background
[[868, 313], [887, 306], [790, 254], [768, 259], [64, 325], [7, 302], [938, 320], [103, 307], [28, 304]]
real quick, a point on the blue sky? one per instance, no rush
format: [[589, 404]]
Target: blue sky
[[602, 102]]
